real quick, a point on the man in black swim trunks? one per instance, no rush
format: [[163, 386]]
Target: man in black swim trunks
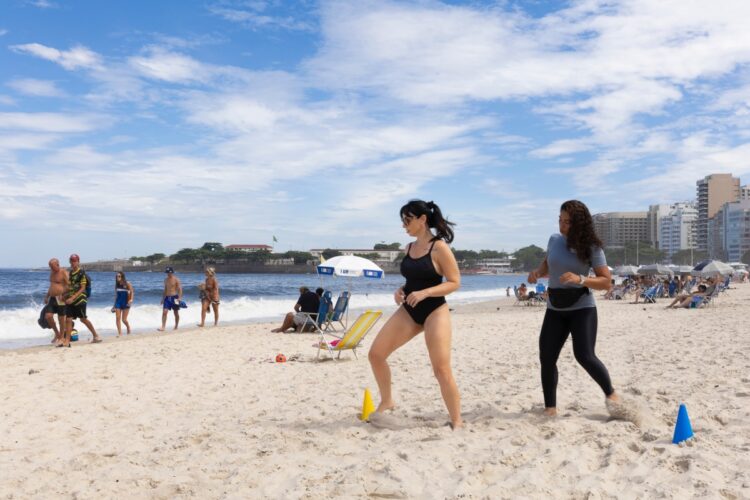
[[58, 285]]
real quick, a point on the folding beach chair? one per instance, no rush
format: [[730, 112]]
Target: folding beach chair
[[711, 298], [650, 295], [316, 321], [338, 315], [350, 339]]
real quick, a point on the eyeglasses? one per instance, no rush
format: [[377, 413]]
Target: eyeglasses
[[406, 220], [563, 221]]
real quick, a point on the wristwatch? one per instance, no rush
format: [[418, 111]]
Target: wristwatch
[[583, 278]]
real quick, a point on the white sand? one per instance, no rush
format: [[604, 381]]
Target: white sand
[[206, 414]]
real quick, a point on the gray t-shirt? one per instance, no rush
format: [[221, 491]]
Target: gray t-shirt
[[560, 260]]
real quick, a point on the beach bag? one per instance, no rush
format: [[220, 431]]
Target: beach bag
[[562, 298], [42, 319]]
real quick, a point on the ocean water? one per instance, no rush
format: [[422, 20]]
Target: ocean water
[[244, 298]]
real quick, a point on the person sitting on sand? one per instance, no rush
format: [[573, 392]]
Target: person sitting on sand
[[684, 300], [523, 292], [308, 302]]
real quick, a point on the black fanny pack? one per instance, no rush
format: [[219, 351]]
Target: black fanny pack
[[566, 297]]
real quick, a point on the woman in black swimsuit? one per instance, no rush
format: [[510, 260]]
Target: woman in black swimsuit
[[428, 260]]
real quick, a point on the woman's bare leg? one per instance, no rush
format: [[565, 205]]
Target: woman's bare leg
[[437, 336], [118, 316], [125, 313], [397, 331]]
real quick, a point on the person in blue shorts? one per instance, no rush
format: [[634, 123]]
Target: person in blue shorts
[[171, 299], [124, 295]]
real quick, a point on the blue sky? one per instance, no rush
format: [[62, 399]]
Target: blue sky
[[128, 128]]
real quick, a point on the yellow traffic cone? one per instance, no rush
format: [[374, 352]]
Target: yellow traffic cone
[[367, 406]]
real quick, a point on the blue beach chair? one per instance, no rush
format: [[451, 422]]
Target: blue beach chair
[[338, 314], [316, 321]]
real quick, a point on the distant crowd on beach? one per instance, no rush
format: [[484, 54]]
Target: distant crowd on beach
[[69, 291]]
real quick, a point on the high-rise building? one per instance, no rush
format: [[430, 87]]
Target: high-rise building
[[713, 191], [735, 229], [745, 192], [617, 228], [655, 214], [677, 229]]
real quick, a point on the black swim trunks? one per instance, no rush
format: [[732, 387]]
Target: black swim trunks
[[56, 308], [420, 274], [76, 310]]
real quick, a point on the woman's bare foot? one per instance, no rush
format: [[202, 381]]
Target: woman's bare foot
[[456, 426], [550, 412], [384, 407]]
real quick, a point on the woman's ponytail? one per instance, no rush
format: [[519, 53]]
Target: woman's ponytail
[[435, 218]]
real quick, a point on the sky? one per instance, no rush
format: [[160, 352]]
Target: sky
[[130, 128]]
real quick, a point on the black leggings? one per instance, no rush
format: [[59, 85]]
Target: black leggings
[[581, 323]]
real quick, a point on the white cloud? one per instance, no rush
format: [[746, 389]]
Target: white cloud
[[161, 64], [49, 122], [75, 58], [26, 141], [601, 64], [562, 147], [3, 32], [42, 4], [255, 15], [6, 100], [34, 87]]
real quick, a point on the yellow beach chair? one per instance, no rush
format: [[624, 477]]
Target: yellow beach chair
[[352, 338]]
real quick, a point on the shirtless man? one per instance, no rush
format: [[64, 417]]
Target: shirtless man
[[171, 299], [58, 285]]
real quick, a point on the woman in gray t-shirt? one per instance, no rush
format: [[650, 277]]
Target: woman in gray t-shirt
[[571, 309]]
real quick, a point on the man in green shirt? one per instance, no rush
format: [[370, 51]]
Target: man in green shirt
[[75, 301]]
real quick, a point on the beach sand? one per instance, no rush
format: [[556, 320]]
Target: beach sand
[[208, 414]]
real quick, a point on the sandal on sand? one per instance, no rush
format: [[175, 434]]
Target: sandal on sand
[[96, 341], [624, 410]]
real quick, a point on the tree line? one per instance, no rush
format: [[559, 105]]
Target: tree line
[[524, 259]]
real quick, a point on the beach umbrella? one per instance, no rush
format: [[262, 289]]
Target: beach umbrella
[[350, 266], [626, 270], [682, 270], [655, 269], [713, 268]]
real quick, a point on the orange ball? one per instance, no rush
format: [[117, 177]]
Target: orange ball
[[280, 358]]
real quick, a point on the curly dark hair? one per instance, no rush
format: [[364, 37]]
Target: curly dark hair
[[581, 234]]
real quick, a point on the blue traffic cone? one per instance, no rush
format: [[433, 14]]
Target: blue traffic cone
[[682, 429]]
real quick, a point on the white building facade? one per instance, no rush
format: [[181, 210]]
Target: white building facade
[[677, 230]]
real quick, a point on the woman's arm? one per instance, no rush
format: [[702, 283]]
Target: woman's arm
[[540, 272], [131, 293], [602, 280]]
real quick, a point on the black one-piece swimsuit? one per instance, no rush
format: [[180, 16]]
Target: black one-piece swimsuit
[[420, 274]]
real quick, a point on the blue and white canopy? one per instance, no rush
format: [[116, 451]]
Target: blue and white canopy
[[350, 266]]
